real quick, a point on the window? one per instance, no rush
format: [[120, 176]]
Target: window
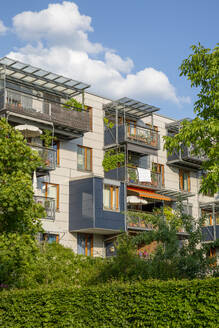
[[50, 238], [159, 169], [52, 190], [184, 180], [56, 146], [84, 158], [111, 198], [85, 244]]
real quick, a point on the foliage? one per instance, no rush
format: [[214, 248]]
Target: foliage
[[112, 159], [73, 104], [172, 257], [107, 123], [19, 212], [47, 138], [202, 133], [18, 254], [27, 264], [185, 304]]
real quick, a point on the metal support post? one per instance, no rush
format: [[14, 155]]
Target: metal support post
[[214, 220], [83, 99]]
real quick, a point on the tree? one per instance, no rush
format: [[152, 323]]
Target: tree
[[173, 256], [202, 70], [18, 210]]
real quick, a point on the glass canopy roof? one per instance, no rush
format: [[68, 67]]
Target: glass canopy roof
[[36, 76], [131, 107]]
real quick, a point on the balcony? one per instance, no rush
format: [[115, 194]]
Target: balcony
[[48, 156], [131, 176], [69, 123], [136, 223], [49, 205], [136, 135], [185, 158]]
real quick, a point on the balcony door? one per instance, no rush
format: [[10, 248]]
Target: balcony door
[[85, 244]]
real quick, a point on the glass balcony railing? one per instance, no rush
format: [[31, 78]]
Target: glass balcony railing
[[49, 205], [48, 156], [33, 106], [142, 135]]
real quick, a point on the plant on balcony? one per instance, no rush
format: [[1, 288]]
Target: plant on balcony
[[112, 160], [107, 123], [47, 138], [73, 104], [132, 174]]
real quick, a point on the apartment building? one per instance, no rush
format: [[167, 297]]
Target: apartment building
[[87, 207]]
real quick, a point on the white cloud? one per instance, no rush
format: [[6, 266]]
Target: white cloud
[[61, 33], [116, 62], [3, 28], [58, 24]]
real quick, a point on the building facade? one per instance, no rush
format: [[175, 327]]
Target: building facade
[[86, 206]]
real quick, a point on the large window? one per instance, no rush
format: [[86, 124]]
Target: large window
[[85, 244], [84, 158], [184, 180], [111, 198]]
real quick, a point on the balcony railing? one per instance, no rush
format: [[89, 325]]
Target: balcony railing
[[131, 175], [74, 118], [48, 156], [136, 222], [154, 177], [186, 154], [49, 205], [142, 135]]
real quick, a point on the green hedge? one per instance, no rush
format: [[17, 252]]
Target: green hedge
[[146, 304]]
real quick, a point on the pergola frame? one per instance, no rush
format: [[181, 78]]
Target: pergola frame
[[43, 80]]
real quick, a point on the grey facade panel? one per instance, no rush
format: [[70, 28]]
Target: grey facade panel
[[141, 149], [81, 204], [116, 174], [86, 206]]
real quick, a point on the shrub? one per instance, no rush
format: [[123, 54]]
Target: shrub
[[184, 304], [26, 264]]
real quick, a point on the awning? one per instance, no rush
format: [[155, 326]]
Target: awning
[[149, 194]]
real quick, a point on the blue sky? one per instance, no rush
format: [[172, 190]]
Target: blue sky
[[122, 48]]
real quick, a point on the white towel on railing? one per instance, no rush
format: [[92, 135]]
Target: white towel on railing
[[144, 175]]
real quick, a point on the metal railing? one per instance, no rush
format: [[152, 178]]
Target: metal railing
[[76, 118], [142, 135], [49, 204], [136, 222], [48, 156], [133, 177]]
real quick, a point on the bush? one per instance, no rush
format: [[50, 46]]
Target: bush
[[148, 304], [26, 264]]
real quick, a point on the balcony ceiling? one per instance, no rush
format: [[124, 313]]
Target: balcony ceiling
[[45, 80], [130, 107]]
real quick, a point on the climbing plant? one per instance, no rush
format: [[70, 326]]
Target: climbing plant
[[112, 158], [47, 138]]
